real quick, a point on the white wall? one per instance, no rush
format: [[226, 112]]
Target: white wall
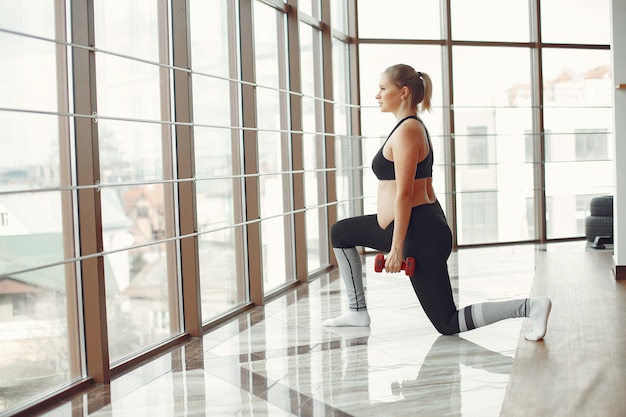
[[618, 47]]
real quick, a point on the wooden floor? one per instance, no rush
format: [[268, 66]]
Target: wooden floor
[[580, 367]]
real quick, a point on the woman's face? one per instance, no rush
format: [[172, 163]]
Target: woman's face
[[388, 95]]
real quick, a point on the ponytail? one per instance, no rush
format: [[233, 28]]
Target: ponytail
[[426, 103]]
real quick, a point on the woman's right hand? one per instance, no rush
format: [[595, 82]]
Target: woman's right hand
[[393, 263]]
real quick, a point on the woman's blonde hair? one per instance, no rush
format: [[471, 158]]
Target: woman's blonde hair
[[419, 84]]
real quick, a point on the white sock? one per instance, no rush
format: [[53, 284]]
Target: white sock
[[539, 312], [349, 318]]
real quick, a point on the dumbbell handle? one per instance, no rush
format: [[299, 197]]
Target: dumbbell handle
[[408, 265]]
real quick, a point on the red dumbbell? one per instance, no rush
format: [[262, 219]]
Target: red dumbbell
[[408, 265]]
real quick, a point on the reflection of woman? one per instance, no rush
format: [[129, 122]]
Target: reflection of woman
[[410, 222], [437, 387]]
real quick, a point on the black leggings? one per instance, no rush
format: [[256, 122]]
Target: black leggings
[[429, 241]]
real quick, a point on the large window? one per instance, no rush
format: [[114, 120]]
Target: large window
[[139, 154], [514, 159]]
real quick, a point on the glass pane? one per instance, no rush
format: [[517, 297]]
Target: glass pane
[[268, 21], [311, 72], [221, 269], [388, 23], [578, 114], [19, 17], [562, 21], [27, 77], [492, 117], [38, 314], [273, 146], [277, 253], [316, 248], [130, 152], [140, 309], [208, 21], [310, 7], [138, 298], [210, 58], [341, 87], [339, 16], [273, 203], [138, 279], [349, 176], [217, 156], [313, 148], [490, 20], [508, 71], [23, 221], [315, 186], [30, 149], [36, 342], [207, 110], [128, 89], [218, 200], [39, 321], [313, 155], [128, 28], [344, 155], [269, 71], [439, 178]]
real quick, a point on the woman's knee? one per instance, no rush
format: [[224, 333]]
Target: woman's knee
[[446, 329], [337, 234], [447, 325], [434, 291], [443, 325]]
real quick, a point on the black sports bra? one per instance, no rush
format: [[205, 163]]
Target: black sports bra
[[384, 169]]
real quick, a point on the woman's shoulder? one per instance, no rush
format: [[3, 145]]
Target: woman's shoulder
[[410, 128]]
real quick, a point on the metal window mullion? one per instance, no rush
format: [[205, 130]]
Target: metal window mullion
[[250, 152], [167, 156], [286, 160], [618, 58], [328, 127], [539, 167], [448, 122], [89, 199], [356, 146], [73, 303], [185, 164], [241, 254], [297, 161]]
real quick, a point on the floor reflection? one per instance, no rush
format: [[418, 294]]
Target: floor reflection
[[442, 380], [278, 360]]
